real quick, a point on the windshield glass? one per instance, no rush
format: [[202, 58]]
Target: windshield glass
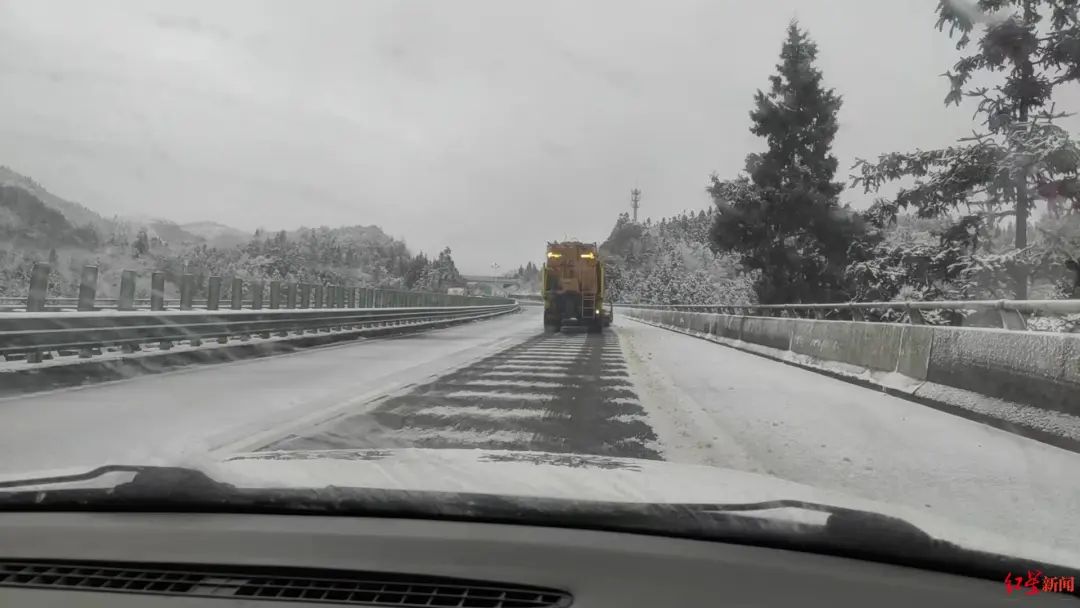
[[672, 253]]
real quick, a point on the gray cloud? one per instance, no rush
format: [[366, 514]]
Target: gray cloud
[[488, 126]]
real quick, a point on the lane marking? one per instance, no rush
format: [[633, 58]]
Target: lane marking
[[464, 436], [473, 411], [501, 396], [519, 383]]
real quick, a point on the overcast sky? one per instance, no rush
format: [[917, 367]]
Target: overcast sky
[[491, 127]]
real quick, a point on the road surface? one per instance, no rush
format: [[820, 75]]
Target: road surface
[[637, 391]]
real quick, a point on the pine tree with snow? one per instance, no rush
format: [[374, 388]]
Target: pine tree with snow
[[783, 217], [1020, 155]]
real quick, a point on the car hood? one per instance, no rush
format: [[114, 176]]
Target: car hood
[[570, 477]]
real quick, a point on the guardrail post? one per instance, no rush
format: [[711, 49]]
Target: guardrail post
[[339, 296], [257, 288], [213, 300], [157, 291], [88, 287], [187, 291], [39, 288], [305, 295], [187, 299], [126, 301], [35, 301], [320, 302], [275, 301], [237, 294], [157, 300], [213, 293], [256, 295], [290, 295], [87, 297], [857, 314], [915, 316], [330, 301], [350, 298], [275, 295]]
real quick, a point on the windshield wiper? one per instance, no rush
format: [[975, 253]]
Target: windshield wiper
[[846, 532]]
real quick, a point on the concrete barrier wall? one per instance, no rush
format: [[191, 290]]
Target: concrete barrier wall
[[1031, 378], [767, 331], [1040, 369], [870, 345]]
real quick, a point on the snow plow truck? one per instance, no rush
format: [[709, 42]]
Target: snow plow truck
[[572, 283]]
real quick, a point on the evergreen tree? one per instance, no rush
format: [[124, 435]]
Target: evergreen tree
[[783, 217], [1018, 157], [141, 246]]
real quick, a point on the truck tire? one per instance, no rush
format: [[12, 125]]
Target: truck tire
[[550, 325]]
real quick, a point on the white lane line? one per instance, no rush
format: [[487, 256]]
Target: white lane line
[[500, 396], [495, 413], [527, 366], [518, 383], [560, 361], [551, 374], [484, 437], [541, 374]]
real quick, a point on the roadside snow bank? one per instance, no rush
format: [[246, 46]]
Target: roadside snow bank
[[1024, 382]]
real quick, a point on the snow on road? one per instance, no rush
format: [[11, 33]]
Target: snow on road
[[715, 405], [637, 391], [186, 413]]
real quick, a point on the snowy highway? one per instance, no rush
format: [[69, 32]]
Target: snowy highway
[[636, 391]]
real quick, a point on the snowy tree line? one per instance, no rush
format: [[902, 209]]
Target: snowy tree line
[[670, 262], [356, 256], [962, 226]]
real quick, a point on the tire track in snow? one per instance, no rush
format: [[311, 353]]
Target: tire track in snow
[[553, 392]]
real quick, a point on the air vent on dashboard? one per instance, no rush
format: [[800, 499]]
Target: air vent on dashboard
[[337, 587]]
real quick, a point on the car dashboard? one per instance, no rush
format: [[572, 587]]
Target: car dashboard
[[206, 559]]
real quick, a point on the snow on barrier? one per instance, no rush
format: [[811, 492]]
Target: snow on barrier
[[1026, 382]]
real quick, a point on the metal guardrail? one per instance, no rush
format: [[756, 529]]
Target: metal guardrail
[[1009, 313], [241, 294], [33, 334]]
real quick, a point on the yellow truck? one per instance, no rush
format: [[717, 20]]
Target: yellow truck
[[573, 287]]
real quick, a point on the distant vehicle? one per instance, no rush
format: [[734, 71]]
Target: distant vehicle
[[456, 291], [573, 287]]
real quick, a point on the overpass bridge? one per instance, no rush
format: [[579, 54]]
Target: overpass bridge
[[975, 424], [502, 284]]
